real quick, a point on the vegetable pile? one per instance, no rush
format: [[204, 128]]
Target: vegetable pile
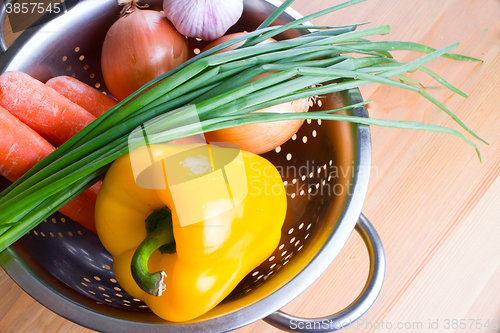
[[217, 84], [236, 94]]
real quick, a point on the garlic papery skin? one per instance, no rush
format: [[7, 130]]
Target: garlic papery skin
[[205, 19]]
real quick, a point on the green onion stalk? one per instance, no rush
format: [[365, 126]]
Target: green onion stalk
[[327, 60]]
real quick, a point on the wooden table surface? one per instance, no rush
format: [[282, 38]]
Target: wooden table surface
[[435, 206]]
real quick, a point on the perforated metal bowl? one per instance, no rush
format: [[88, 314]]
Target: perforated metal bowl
[[325, 168]]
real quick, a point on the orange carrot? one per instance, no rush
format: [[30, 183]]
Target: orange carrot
[[82, 94], [21, 148], [81, 209], [50, 114]]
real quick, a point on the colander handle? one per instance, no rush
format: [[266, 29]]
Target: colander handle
[[356, 309]]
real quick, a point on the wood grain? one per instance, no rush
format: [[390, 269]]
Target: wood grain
[[433, 203]]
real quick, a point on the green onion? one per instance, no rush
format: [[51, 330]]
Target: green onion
[[328, 60]]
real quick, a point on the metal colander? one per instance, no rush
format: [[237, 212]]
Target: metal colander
[[325, 168]]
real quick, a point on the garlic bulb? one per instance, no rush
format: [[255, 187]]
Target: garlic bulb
[[205, 19]]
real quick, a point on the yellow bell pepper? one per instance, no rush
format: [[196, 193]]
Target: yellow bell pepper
[[212, 255]]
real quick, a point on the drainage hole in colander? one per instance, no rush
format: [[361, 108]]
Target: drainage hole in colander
[[108, 295]]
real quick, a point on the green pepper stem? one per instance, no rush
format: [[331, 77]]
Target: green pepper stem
[[152, 283]]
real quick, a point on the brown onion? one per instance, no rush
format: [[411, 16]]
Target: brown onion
[[263, 137], [140, 46]]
